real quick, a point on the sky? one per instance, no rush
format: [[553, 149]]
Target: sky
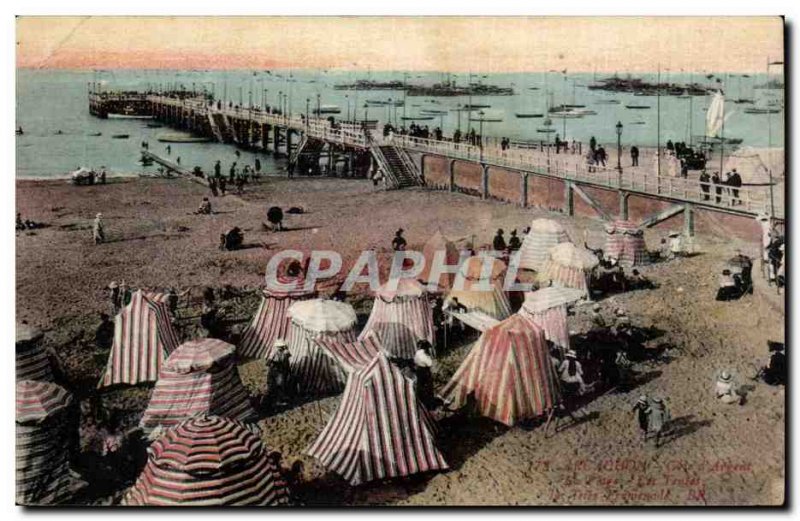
[[456, 44]]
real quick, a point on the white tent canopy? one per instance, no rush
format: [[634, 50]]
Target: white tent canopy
[[323, 315]]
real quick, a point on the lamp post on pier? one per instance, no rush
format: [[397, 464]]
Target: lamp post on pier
[[308, 104], [619, 151], [480, 134]]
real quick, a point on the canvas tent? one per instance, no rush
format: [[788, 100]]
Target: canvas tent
[[547, 308], [143, 338], [312, 370], [208, 461], [450, 255], [543, 235], [270, 321], [352, 356], [199, 377], [570, 267], [508, 372], [474, 295], [33, 360], [625, 243], [380, 429], [43, 441], [401, 317]]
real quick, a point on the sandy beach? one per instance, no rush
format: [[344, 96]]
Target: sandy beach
[[719, 455]]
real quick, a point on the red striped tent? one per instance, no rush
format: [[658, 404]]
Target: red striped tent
[[353, 356], [401, 317], [42, 449], [311, 368], [547, 308], [143, 338], [439, 246], [470, 287], [33, 360], [625, 243], [569, 267], [199, 377], [270, 321], [508, 372], [543, 235], [380, 429], [208, 461]]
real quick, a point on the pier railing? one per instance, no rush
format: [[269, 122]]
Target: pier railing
[[749, 199]]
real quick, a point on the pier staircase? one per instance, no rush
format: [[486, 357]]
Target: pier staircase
[[307, 147], [397, 166], [215, 130], [220, 127], [230, 129]]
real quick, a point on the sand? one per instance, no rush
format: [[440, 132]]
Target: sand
[[718, 455]]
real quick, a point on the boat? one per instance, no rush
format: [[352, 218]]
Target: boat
[[182, 138], [82, 176], [637, 123], [434, 112], [608, 102], [525, 115], [761, 110], [573, 106], [533, 88], [565, 114], [328, 109], [475, 106], [154, 125], [637, 106], [417, 118], [95, 134], [120, 136], [745, 101], [546, 129], [495, 116], [114, 115]]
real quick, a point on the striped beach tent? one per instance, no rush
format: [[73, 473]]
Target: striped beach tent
[[353, 356], [448, 253], [143, 338], [199, 377], [508, 372], [312, 370], [208, 461], [42, 451], [380, 429], [569, 267], [401, 316], [473, 293], [543, 235], [547, 308], [625, 243], [33, 360], [270, 321]]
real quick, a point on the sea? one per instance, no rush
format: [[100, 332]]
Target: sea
[[59, 135]]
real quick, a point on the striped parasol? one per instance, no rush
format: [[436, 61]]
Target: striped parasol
[[401, 317], [270, 321], [353, 356], [208, 461], [315, 372], [380, 429], [543, 235], [569, 266], [42, 443], [625, 243], [143, 338], [199, 377], [473, 295], [509, 373], [33, 360], [439, 247]]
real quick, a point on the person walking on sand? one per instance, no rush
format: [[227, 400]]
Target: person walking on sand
[[726, 389], [113, 288], [222, 185], [97, 229], [514, 243], [212, 185], [399, 242], [658, 419], [232, 172], [499, 243], [423, 367], [218, 169]]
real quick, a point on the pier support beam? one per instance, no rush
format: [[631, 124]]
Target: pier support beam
[[623, 205], [523, 178], [288, 142], [485, 182], [276, 138], [451, 171], [662, 216], [591, 202], [569, 201], [688, 220]]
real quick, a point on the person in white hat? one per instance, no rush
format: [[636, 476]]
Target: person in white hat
[[726, 389], [658, 419], [113, 289], [98, 232]]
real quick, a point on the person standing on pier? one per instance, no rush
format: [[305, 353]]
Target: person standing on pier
[[634, 155], [97, 229], [716, 181], [558, 144], [602, 156], [705, 184], [232, 172], [735, 181], [592, 144]]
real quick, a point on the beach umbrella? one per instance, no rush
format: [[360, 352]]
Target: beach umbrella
[[199, 377], [42, 443], [474, 295], [401, 317], [380, 430], [271, 321], [543, 235], [569, 266], [208, 461], [33, 360], [508, 372], [312, 370]]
